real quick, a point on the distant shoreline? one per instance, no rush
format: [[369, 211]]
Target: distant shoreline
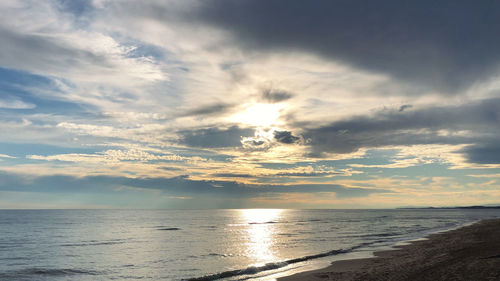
[[449, 208], [468, 253]]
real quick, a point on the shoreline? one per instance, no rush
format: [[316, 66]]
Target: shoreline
[[468, 252]]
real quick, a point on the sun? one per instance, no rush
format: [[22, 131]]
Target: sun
[[259, 115]]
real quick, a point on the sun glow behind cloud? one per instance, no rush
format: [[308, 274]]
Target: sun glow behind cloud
[[259, 115]]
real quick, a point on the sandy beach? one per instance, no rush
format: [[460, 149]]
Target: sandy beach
[[468, 253]]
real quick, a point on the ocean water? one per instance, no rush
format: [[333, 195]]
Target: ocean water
[[202, 244]]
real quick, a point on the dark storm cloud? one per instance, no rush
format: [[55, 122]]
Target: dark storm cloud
[[215, 137], [177, 186], [394, 127], [488, 153], [445, 45], [285, 137], [274, 96]]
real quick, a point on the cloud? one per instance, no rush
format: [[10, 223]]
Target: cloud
[[236, 95], [232, 175], [15, 104], [215, 137], [110, 156], [470, 123], [180, 186], [42, 39], [34, 53], [6, 156], [285, 137], [307, 174], [76, 7], [280, 174], [256, 143], [212, 109], [405, 107], [488, 153], [275, 96], [445, 45]]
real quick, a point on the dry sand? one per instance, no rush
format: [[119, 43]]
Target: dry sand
[[469, 253]]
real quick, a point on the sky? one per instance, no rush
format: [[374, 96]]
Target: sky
[[249, 104]]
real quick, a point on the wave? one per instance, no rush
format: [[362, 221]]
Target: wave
[[218, 255], [267, 222], [208, 226], [47, 272], [213, 255], [274, 265], [299, 222], [288, 234], [372, 235], [168, 228], [237, 272], [310, 220], [92, 243]]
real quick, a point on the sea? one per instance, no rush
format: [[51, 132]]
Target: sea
[[242, 244]]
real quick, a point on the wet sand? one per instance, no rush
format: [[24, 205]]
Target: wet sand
[[468, 253]]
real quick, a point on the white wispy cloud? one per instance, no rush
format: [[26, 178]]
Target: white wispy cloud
[[15, 104], [6, 156]]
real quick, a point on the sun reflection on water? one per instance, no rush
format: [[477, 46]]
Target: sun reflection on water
[[261, 232]]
